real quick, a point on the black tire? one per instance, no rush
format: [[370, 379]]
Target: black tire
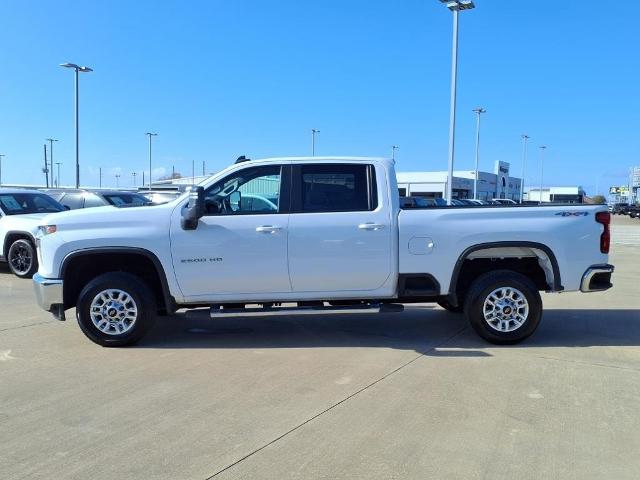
[[480, 291], [22, 258], [136, 290], [450, 308]]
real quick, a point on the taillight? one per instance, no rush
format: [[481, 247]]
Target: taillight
[[605, 239]]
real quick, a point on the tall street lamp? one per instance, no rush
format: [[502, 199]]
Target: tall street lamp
[[51, 140], [77, 69], [150, 134], [456, 7], [313, 141], [133, 174], [58, 176], [525, 140], [393, 152], [542, 149], [117, 180], [479, 111], [1, 155]]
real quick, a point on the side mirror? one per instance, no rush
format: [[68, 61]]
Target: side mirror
[[235, 201], [192, 212]]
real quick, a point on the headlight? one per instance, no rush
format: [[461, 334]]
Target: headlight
[[46, 230]]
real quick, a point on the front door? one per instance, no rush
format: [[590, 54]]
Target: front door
[[240, 245]]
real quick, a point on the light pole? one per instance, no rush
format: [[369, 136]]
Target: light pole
[[1, 155], [117, 180], [150, 134], [479, 111], [393, 152], [133, 174], [313, 141], [455, 6], [542, 149], [51, 140], [525, 140], [77, 69], [58, 176]]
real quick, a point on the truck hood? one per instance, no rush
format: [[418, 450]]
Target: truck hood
[[27, 223], [107, 216]]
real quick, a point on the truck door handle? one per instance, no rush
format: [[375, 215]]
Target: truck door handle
[[370, 226], [268, 229]]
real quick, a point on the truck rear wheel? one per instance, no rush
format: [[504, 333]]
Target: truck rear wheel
[[115, 309], [503, 307]]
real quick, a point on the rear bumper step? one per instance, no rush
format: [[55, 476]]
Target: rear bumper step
[[217, 312], [597, 278]]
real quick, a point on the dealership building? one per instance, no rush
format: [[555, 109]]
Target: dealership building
[[499, 184]]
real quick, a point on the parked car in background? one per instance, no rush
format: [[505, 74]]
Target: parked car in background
[[503, 201], [74, 198], [160, 196], [421, 202], [634, 211], [620, 209], [20, 215]]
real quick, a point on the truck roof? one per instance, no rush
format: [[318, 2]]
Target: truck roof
[[325, 159]]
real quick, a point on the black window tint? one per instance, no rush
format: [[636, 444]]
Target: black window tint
[[337, 188], [73, 200]]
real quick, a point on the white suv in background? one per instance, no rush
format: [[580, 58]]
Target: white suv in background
[[20, 214]]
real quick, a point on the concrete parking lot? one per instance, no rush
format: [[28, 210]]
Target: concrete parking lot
[[412, 395]]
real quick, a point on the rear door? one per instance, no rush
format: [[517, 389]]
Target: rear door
[[340, 236]]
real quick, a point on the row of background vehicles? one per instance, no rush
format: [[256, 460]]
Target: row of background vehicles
[[421, 202], [21, 211], [625, 209]]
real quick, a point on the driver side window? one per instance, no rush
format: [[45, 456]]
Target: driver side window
[[250, 191]]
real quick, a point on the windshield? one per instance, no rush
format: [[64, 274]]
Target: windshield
[[24, 203], [126, 199]]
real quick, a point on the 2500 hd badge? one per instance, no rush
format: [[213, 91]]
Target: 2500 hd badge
[[201, 260]]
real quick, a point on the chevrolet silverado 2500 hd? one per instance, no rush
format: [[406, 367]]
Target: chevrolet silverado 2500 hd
[[325, 235]]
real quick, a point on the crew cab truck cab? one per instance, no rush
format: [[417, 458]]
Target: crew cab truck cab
[[325, 235]]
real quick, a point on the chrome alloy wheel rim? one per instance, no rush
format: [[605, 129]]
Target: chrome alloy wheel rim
[[506, 309], [21, 259], [113, 311]]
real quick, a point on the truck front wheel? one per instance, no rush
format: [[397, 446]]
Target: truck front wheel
[[115, 309], [22, 258], [503, 307]]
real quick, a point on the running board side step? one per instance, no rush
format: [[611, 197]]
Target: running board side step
[[217, 312]]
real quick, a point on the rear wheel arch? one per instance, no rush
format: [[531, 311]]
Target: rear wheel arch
[[80, 267], [540, 259]]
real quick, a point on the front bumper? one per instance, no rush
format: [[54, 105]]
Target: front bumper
[[597, 278], [49, 294]]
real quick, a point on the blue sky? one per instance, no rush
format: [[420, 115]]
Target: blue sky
[[218, 79]]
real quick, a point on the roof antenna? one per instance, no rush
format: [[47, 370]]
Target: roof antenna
[[242, 158]]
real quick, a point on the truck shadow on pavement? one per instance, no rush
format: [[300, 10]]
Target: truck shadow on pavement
[[424, 329]]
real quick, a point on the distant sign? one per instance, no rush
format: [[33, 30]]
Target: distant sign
[[502, 168], [624, 190], [636, 177]]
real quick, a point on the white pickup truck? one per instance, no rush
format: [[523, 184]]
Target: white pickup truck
[[312, 236], [21, 211]]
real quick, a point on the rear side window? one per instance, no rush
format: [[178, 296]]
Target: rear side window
[[336, 188]]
